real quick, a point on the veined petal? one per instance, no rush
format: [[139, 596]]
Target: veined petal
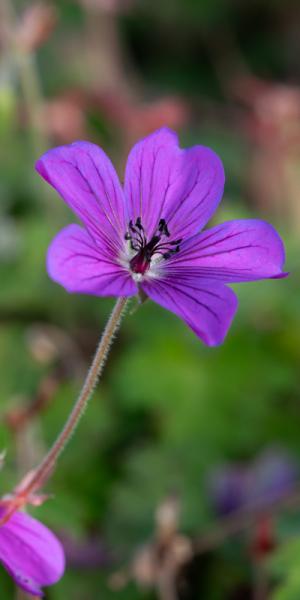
[[162, 181], [30, 552], [207, 307], [85, 178], [243, 250], [79, 265]]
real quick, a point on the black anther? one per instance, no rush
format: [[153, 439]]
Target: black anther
[[139, 224]]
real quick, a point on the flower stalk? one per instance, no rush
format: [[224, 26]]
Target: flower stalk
[[45, 468]]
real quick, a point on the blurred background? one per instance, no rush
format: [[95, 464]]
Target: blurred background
[[182, 480]]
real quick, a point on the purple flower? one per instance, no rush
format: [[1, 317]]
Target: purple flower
[[273, 475], [228, 487], [147, 234], [30, 553]]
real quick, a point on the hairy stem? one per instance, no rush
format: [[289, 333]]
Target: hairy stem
[[45, 468]]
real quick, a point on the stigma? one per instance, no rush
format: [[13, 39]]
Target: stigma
[[160, 245]]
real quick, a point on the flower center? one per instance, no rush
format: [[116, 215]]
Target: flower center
[[145, 250]]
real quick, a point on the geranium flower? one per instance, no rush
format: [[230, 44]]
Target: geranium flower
[[146, 236], [30, 552]]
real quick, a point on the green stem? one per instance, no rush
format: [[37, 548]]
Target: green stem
[[33, 100]]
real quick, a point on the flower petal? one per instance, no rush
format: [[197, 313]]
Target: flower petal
[[30, 553], [207, 307], [243, 250], [85, 178], [183, 187], [79, 265]]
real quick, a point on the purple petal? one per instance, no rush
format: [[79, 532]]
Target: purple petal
[[273, 475], [30, 553], [87, 181], [228, 487], [207, 307], [183, 187], [79, 265], [243, 250]]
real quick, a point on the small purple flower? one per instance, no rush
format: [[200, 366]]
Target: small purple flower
[[228, 487], [30, 553], [273, 475], [146, 236]]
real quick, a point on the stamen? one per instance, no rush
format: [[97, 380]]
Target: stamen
[[171, 252], [136, 231], [153, 242], [145, 250], [163, 228], [133, 247], [141, 228]]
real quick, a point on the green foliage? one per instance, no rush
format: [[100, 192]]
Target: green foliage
[[285, 567], [168, 410]]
